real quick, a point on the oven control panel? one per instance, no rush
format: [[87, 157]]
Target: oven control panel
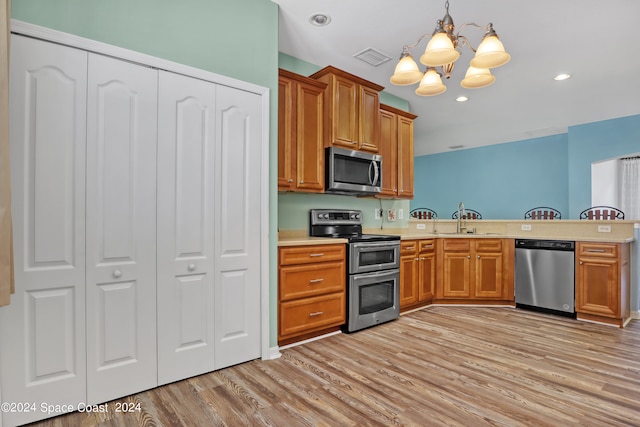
[[335, 216]]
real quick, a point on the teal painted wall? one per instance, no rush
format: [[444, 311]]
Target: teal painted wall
[[499, 181], [597, 141], [238, 39], [293, 208], [505, 180]]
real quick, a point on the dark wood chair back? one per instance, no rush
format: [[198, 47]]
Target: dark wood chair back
[[602, 212], [423, 213], [469, 214], [542, 212]]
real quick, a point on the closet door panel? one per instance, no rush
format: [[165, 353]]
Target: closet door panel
[[238, 258], [42, 331], [121, 228], [185, 227]]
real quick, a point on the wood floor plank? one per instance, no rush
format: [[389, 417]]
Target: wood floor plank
[[440, 366]]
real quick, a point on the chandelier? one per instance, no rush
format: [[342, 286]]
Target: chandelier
[[443, 50]]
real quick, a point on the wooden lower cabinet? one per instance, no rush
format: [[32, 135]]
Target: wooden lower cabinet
[[475, 270], [311, 291], [603, 282], [417, 273]]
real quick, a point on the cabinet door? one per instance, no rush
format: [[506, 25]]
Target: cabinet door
[[598, 287], [488, 281], [389, 152], [343, 116], [456, 275], [427, 268], [286, 133], [121, 228], [238, 251], [368, 119], [185, 226], [42, 331], [309, 138], [405, 157], [409, 276]]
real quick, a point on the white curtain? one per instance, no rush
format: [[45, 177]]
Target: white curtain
[[6, 254], [630, 188]]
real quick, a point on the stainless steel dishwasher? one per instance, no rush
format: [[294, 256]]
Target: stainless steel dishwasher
[[545, 275]]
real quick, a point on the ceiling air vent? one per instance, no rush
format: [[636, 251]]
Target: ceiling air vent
[[372, 56], [456, 147]]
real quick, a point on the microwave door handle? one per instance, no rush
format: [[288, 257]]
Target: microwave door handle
[[376, 173]]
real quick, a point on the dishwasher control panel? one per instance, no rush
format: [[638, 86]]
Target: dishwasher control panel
[[556, 245]]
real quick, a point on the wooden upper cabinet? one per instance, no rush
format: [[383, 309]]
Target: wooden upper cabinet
[[300, 133], [405, 157], [389, 153], [352, 110], [396, 148]]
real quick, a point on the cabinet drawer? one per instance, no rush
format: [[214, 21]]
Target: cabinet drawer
[[456, 245], [427, 246], [604, 250], [311, 254], [307, 314], [307, 280], [409, 247], [489, 245]]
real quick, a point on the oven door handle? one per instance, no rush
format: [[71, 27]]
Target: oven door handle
[[365, 276], [375, 246]]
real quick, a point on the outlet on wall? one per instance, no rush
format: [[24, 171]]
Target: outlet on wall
[[391, 215], [400, 213], [604, 229], [526, 227], [378, 213]]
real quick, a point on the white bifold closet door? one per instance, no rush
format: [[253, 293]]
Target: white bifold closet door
[[209, 171], [237, 259], [42, 331], [121, 228], [186, 142]]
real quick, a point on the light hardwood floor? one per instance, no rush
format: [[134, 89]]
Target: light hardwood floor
[[441, 366]]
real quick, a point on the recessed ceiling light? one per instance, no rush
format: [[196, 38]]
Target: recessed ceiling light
[[320, 19], [562, 76], [462, 99]]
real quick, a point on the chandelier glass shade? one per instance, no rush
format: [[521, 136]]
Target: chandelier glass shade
[[443, 50]]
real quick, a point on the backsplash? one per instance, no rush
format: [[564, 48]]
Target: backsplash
[[293, 209]]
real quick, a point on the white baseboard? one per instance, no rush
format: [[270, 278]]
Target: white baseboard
[[274, 353], [635, 314]]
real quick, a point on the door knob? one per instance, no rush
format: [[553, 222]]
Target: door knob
[[191, 267], [117, 274]]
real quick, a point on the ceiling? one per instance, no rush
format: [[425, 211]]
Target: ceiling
[[595, 41]]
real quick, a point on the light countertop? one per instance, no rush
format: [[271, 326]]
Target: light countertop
[[575, 230]]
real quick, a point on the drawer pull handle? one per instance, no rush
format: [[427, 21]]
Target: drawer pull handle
[[316, 255], [191, 267], [410, 248], [595, 250], [316, 280], [117, 274], [427, 246], [317, 313]]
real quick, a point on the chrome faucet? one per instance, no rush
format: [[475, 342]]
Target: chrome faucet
[[461, 214]]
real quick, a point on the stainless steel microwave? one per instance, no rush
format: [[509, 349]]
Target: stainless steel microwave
[[352, 172]]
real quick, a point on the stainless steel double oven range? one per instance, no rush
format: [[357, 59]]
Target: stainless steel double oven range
[[373, 267]]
